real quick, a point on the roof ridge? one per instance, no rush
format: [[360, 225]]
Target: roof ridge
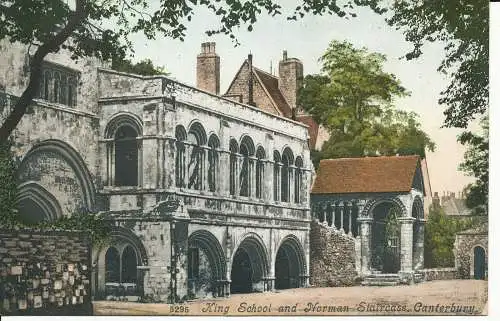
[[369, 157], [265, 72]]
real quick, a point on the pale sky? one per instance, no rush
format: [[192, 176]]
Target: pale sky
[[307, 39]]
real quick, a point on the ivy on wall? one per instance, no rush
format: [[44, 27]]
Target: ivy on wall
[[97, 226]]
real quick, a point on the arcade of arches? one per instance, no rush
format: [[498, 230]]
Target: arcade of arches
[[391, 238]]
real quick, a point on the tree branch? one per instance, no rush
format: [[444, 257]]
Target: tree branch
[[51, 45]]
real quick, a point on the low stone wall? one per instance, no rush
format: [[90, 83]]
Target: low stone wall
[[439, 274], [332, 257], [45, 273]]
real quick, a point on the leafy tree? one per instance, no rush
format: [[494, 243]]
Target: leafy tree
[[463, 26], [144, 67], [101, 28], [476, 164], [353, 99], [440, 232]]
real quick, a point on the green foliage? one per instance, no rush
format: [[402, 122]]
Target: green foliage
[[144, 67], [462, 25], [440, 232], [353, 99], [476, 164], [9, 219], [8, 188]]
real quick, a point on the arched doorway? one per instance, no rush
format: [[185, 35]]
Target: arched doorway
[[249, 267], [206, 264], [386, 238], [241, 273], [289, 265], [479, 263]]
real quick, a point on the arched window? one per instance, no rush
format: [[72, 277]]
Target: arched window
[[112, 265], [276, 175], [246, 150], [287, 160], [213, 162], [233, 166], [129, 265], [63, 95], [259, 172], [126, 156], [196, 138], [180, 152], [46, 85], [298, 178], [72, 91], [57, 85]]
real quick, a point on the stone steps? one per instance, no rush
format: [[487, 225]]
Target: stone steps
[[381, 279]]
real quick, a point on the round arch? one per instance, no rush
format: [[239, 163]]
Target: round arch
[[73, 159], [121, 119], [478, 261], [123, 241], [208, 242], [247, 141], [35, 204], [250, 264], [373, 203], [417, 210], [290, 263], [198, 131]]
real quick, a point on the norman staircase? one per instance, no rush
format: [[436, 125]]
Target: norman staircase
[[378, 278]]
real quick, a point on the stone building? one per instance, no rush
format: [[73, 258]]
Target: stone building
[[207, 196], [376, 205], [471, 252], [276, 95]]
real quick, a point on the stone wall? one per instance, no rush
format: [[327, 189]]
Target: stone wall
[[332, 257], [439, 274], [45, 273], [464, 252]]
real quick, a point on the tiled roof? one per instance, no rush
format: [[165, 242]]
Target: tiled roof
[[365, 175], [271, 84]]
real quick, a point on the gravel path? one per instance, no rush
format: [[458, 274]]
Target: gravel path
[[450, 297]]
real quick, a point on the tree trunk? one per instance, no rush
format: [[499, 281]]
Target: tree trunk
[[29, 93]]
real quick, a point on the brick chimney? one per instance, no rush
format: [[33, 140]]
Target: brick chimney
[[291, 76], [208, 69]]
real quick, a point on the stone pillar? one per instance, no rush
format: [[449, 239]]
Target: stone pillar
[[291, 184], [278, 182], [325, 208], [418, 254], [349, 208], [341, 205], [366, 246], [252, 177], [406, 224], [204, 172], [239, 160], [187, 159]]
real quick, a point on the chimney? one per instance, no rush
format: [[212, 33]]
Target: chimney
[[208, 69], [291, 74], [250, 80]]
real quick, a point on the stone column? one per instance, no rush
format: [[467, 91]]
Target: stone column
[[406, 224], [187, 159], [418, 255], [349, 208], [278, 182], [341, 205], [291, 184], [325, 208], [252, 177], [204, 172], [366, 246]]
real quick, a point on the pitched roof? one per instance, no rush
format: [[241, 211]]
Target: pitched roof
[[271, 85], [366, 175], [313, 129]]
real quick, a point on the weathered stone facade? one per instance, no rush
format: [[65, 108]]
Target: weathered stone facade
[[196, 185], [45, 273], [333, 257], [381, 220], [471, 252]]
